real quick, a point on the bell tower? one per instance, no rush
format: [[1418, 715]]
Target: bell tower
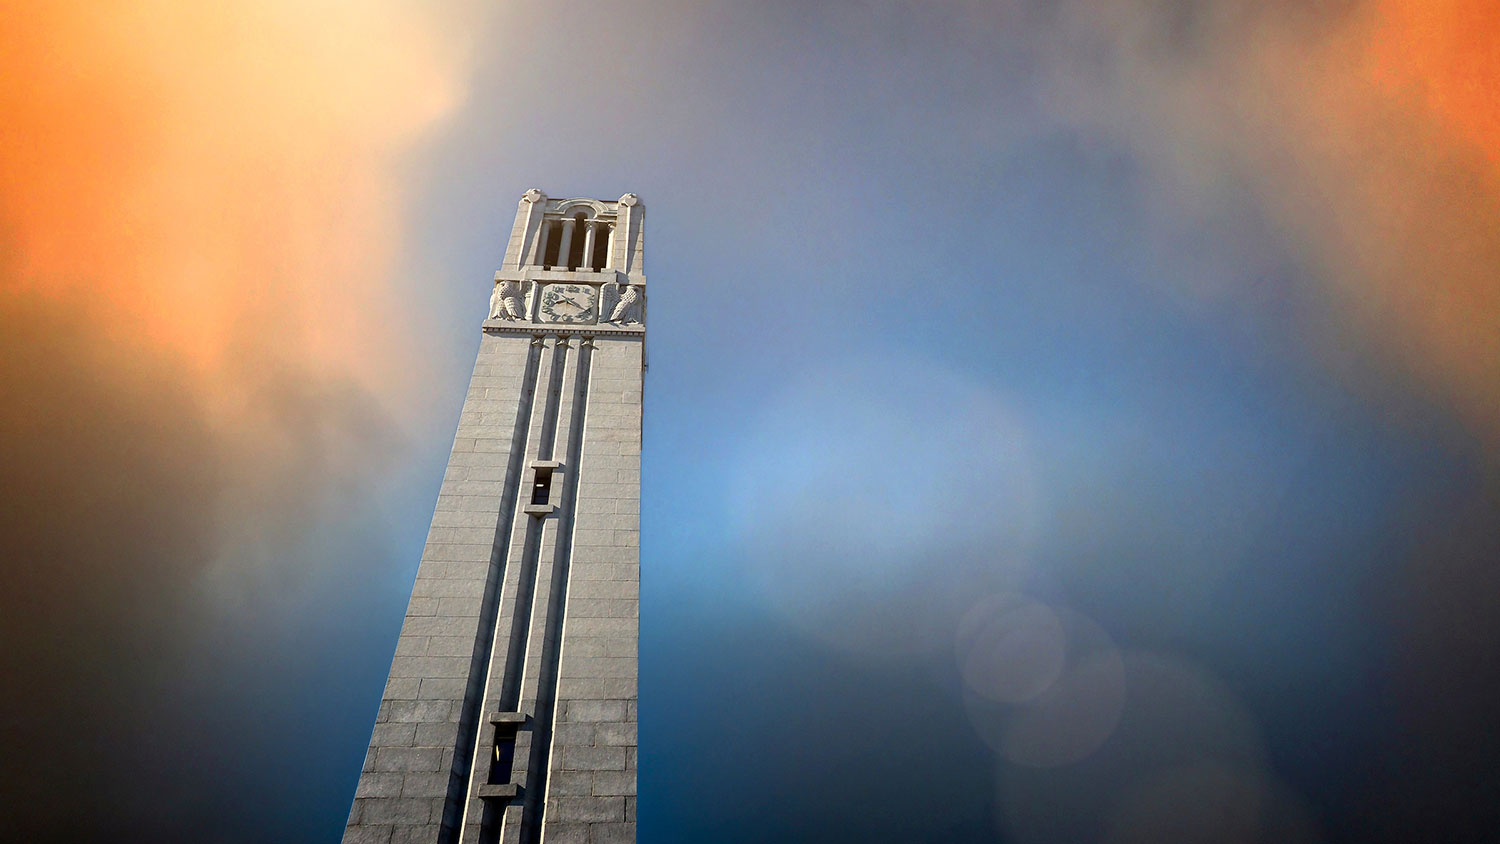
[[510, 710]]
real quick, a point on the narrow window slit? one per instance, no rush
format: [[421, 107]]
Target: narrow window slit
[[503, 759], [541, 488]]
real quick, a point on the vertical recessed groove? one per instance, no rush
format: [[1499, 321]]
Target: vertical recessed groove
[[534, 800], [554, 399], [515, 652], [525, 586], [484, 637], [520, 621], [492, 815]]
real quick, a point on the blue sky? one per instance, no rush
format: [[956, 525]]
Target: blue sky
[[1041, 440]]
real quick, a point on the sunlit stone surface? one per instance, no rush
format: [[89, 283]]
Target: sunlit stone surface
[[510, 712]]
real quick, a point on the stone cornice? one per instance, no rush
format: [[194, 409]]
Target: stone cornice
[[545, 329], [539, 275]]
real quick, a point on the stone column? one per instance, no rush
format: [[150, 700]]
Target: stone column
[[539, 255], [565, 243], [587, 259]]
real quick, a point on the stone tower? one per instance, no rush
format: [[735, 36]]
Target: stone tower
[[510, 712]]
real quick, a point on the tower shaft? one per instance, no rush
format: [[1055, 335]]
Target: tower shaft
[[511, 703]]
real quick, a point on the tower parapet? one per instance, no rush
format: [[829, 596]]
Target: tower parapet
[[573, 263]]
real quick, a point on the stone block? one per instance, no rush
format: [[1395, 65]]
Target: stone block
[[399, 810], [595, 710], [428, 667], [614, 783], [425, 785], [591, 758], [603, 627], [622, 733], [571, 783], [613, 688], [379, 785], [365, 834], [441, 734], [600, 667], [421, 834], [422, 606], [593, 590], [582, 646], [437, 587], [402, 688], [450, 688], [612, 833], [574, 733], [411, 646], [566, 833], [602, 608], [462, 611], [460, 646], [394, 735], [405, 759], [586, 809]]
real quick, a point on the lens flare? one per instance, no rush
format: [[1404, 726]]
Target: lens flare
[[1010, 648]]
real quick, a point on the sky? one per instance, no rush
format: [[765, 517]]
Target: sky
[[1066, 421]]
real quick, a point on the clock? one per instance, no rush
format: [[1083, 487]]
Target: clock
[[568, 303]]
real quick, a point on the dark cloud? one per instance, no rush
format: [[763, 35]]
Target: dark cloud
[[128, 712], [111, 476]]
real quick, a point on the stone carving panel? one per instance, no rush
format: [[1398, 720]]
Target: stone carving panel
[[508, 300], [622, 304]]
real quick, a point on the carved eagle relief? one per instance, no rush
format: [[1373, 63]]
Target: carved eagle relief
[[622, 304], [509, 300]]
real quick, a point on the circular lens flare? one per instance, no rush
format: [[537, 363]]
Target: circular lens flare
[[1011, 649], [1067, 709]]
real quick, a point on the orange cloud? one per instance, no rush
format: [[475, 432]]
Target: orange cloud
[[1370, 131], [219, 174], [1444, 55], [202, 201], [200, 345], [1391, 129]]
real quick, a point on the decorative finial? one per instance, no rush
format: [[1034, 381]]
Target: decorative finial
[[629, 199], [533, 195]]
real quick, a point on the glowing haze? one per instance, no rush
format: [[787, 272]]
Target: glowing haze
[[200, 349], [1200, 512], [1370, 129], [210, 174]]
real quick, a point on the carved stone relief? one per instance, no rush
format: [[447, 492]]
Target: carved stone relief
[[622, 304], [507, 302]]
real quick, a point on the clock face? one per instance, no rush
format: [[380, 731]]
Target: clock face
[[568, 303]]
